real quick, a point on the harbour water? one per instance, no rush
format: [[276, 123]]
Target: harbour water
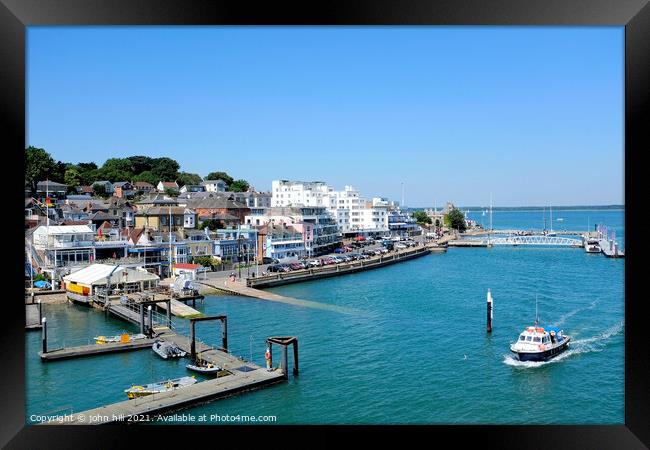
[[414, 351]]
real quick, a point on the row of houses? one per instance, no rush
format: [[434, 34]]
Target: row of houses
[[296, 219]]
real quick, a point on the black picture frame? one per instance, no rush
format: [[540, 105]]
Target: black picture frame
[[16, 15]]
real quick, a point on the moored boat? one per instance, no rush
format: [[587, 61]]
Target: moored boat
[[203, 366], [167, 350], [592, 246], [123, 338], [158, 387]]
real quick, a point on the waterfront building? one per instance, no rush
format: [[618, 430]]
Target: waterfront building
[[214, 185], [300, 193], [91, 280], [316, 223], [58, 246], [235, 244], [283, 242], [401, 223], [199, 243], [352, 213]]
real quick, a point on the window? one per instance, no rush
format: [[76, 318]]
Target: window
[[528, 338], [536, 339], [522, 338]]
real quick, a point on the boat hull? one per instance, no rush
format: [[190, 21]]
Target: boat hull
[[543, 355]]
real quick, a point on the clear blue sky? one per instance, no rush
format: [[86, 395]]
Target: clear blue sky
[[534, 115]]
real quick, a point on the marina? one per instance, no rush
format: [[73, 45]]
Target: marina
[[329, 296]]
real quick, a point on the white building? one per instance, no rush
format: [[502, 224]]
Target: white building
[[214, 185], [351, 212], [300, 193]]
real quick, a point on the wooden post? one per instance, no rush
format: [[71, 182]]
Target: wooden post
[[192, 341], [295, 357], [44, 322], [169, 313], [141, 319], [284, 362], [224, 333], [40, 311], [489, 311]]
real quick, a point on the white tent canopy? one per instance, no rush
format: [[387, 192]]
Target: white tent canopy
[[96, 274]]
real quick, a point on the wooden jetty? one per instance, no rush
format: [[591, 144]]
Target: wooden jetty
[[180, 309], [236, 376], [146, 408], [95, 349]]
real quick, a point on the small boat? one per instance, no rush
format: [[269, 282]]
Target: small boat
[[167, 350], [123, 338], [161, 386], [203, 366], [592, 246], [540, 343]]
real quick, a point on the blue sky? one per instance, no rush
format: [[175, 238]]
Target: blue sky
[[534, 115]]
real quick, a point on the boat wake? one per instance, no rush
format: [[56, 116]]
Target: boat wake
[[580, 346], [568, 315]]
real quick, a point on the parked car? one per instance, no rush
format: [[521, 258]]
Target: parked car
[[313, 262], [339, 250], [328, 260], [400, 246], [275, 268], [383, 251], [268, 260], [296, 266]]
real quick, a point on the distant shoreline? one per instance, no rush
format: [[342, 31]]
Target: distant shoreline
[[532, 208]]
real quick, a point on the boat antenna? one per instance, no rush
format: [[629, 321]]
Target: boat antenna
[[536, 317]]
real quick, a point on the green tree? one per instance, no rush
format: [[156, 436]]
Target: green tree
[[185, 178], [141, 163], [146, 176], [456, 220], [165, 169], [39, 166], [205, 261], [118, 169], [72, 176], [210, 224], [100, 191], [221, 176], [172, 192], [239, 186], [421, 218]]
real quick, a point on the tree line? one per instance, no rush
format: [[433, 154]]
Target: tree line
[[39, 166]]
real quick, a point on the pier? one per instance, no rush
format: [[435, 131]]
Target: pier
[[236, 376]]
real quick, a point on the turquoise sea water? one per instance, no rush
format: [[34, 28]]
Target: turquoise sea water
[[414, 351]]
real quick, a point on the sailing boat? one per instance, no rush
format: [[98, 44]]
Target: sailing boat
[[551, 232]]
